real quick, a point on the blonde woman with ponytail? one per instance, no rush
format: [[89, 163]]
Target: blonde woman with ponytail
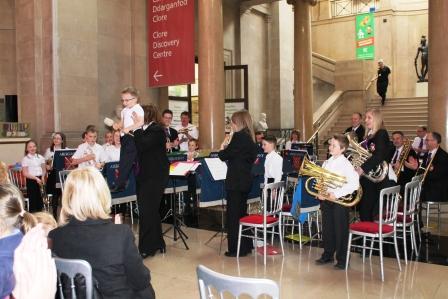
[[14, 222]]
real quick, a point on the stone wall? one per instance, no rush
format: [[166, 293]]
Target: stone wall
[[8, 83]]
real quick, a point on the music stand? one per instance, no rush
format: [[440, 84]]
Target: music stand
[[177, 222]]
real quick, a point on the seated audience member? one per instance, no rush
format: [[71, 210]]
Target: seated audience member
[[273, 166], [186, 131], [357, 128], [34, 268], [47, 221], [108, 139], [172, 139], [14, 222], [4, 178], [34, 169], [410, 164], [89, 153], [112, 152], [192, 150], [419, 144], [109, 248], [435, 186], [295, 138]]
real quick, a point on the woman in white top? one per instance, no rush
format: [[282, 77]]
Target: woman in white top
[[295, 138], [57, 144], [112, 152], [33, 168], [273, 165]]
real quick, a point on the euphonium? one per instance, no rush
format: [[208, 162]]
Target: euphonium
[[403, 156], [321, 179], [357, 155]]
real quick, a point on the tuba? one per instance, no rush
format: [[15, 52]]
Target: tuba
[[321, 179], [357, 155], [403, 156]]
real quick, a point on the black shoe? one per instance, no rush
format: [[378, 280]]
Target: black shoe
[[146, 254], [163, 249], [323, 261], [339, 266], [233, 254]]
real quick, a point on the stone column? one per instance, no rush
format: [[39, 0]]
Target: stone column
[[303, 81], [211, 74], [438, 68]]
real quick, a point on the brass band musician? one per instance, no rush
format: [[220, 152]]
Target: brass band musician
[[403, 159]]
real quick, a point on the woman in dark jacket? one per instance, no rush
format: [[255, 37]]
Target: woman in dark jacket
[[152, 180], [240, 153], [379, 145], [87, 233]]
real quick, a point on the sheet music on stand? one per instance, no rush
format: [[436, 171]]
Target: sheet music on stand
[[217, 168], [183, 168]]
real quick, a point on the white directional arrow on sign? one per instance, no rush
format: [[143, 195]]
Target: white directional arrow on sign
[[157, 75]]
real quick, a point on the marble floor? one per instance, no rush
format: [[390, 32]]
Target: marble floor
[[174, 273]]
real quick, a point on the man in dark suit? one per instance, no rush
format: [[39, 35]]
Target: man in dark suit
[[435, 186], [171, 133], [357, 128], [410, 164]]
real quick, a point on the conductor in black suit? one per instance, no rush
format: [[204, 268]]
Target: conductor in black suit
[[410, 164], [240, 155], [357, 128], [435, 186], [172, 138], [152, 179]]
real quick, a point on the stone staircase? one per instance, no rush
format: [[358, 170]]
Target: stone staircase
[[400, 114]]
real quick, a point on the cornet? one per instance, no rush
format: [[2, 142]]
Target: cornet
[[228, 138]]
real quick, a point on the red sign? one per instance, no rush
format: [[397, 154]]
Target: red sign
[[170, 42]]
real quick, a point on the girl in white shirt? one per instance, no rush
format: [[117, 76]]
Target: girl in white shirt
[[335, 217], [112, 152], [273, 165], [33, 168], [295, 138], [57, 144]]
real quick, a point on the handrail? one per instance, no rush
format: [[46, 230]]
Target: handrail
[[324, 58]]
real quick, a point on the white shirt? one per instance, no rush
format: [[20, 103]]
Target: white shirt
[[34, 164], [396, 155], [343, 167], [273, 167], [192, 131], [416, 143], [85, 149], [50, 154], [289, 143], [111, 153], [126, 115]]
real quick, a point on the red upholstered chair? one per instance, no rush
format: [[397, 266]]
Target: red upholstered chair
[[406, 218], [272, 199], [386, 226]]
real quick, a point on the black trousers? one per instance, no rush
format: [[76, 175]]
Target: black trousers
[[149, 195], [56, 192], [236, 209], [34, 196], [381, 89], [128, 156], [335, 230], [369, 204]]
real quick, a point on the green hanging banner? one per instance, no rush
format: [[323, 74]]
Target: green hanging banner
[[365, 36]]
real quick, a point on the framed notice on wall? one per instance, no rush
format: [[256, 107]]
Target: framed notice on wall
[[177, 106], [232, 107]]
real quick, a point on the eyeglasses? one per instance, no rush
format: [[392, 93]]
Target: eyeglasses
[[127, 100]]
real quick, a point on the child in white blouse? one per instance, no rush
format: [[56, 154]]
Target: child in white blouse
[[273, 165], [335, 217], [192, 150], [34, 170]]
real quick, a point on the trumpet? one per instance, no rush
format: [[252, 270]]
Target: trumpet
[[184, 130], [228, 138], [321, 179], [357, 155]]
